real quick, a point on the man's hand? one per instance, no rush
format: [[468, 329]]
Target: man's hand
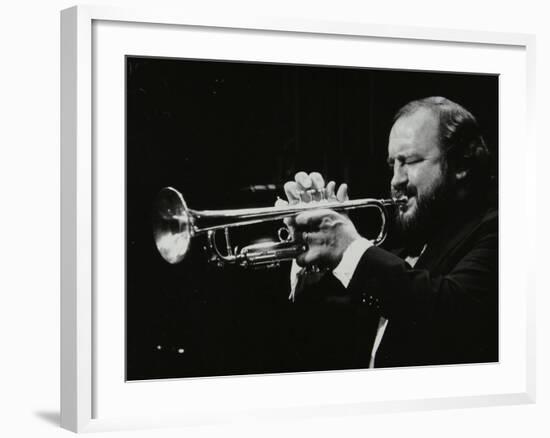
[[327, 234], [308, 188]]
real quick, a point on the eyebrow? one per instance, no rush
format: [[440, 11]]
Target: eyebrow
[[402, 157]]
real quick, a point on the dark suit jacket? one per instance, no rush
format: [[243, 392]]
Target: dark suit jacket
[[445, 309], [442, 311]]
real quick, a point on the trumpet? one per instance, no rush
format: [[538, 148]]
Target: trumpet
[[175, 225]]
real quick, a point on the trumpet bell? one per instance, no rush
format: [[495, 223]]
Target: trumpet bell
[[172, 225]]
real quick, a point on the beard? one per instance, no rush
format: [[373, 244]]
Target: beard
[[430, 211]]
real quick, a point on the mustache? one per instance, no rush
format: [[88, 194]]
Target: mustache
[[409, 192]]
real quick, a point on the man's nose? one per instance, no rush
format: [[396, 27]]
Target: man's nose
[[399, 178]]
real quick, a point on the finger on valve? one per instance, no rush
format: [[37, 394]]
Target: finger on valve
[[330, 195], [303, 180], [292, 192], [304, 185], [318, 186], [342, 194]]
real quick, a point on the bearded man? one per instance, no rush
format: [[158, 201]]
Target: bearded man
[[435, 301]]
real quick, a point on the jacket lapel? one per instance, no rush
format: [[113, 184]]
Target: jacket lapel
[[446, 241]]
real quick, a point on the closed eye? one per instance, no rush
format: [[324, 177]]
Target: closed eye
[[413, 160], [404, 162]]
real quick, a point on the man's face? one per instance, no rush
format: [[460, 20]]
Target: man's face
[[419, 169]]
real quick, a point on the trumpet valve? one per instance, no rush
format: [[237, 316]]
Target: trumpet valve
[[313, 195]]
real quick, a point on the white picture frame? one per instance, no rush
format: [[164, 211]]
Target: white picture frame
[[85, 373]]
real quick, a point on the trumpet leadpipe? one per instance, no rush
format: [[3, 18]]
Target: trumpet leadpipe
[[249, 216]]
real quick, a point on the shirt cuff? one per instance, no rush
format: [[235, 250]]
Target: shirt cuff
[[295, 272], [343, 272], [350, 259]]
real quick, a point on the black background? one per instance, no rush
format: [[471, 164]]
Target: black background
[[213, 129]]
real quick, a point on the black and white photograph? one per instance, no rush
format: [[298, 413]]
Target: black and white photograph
[[285, 218], [275, 219]]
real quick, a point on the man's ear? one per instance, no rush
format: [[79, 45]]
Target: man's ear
[[460, 175]]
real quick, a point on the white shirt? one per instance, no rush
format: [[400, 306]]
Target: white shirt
[[344, 272]]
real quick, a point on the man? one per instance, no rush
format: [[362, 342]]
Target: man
[[436, 302]]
